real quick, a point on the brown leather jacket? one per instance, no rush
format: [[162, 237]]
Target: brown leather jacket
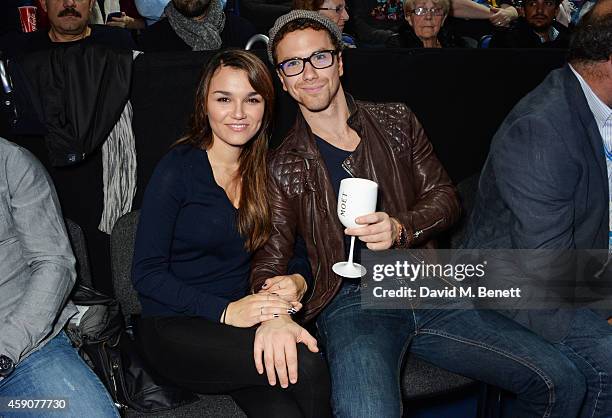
[[394, 152]]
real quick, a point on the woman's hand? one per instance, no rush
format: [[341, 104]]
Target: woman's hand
[[126, 22], [253, 309], [502, 17], [290, 288]]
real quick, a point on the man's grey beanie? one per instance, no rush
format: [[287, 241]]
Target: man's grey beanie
[[301, 14]]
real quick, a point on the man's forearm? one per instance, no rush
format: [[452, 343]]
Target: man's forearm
[[36, 310]]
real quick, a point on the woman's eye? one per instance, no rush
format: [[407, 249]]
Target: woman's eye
[[254, 100], [223, 99]]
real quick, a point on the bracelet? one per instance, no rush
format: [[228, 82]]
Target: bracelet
[[401, 240], [223, 315]]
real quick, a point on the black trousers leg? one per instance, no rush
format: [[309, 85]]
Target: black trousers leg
[[209, 357]]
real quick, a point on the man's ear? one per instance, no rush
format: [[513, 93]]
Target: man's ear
[[43, 4], [409, 21], [340, 64], [280, 76]]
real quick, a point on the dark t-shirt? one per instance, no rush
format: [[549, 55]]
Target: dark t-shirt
[[333, 158], [161, 37]]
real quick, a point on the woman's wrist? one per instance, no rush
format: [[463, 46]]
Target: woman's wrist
[[225, 315]]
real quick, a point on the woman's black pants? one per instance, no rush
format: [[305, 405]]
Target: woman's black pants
[[212, 358]]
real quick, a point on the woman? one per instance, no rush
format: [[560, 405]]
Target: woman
[[204, 213], [423, 26], [334, 10]]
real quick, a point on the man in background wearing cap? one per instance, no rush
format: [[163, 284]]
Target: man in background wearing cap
[[334, 137]]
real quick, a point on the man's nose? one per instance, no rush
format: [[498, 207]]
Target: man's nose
[[69, 3], [344, 16], [310, 72]]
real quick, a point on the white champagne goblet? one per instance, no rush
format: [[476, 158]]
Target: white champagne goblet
[[356, 197]]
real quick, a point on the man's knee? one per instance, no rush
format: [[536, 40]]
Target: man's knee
[[561, 384], [357, 401]]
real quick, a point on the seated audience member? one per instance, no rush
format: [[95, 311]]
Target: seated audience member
[[196, 25], [37, 360], [67, 23], [424, 27], [547, 184], [204, 212], [335, 137], [79, 186], [375, 21], [334, 10], [129, 18], [536, 30]]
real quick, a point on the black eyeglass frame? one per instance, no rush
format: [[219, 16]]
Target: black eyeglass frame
[[337, 9], [333, 52]]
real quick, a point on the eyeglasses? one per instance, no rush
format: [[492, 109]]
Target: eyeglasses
[[422, 11], [319, 60], [337, 9]]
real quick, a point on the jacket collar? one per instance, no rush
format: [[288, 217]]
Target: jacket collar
[[576, 97]]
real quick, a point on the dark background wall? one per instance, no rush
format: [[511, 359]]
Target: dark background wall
[[460, 96]]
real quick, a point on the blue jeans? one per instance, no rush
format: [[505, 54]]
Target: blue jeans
[[56, 371], [365, 349], [589, 345]]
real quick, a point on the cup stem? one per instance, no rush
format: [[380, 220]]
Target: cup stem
[[350, 260]]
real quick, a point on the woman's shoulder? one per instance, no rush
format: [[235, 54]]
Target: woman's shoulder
[[179, 162]]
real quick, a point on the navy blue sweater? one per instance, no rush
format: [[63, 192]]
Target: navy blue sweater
[[189, 257]]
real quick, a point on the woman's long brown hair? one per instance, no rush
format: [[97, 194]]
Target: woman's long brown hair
[[253, 220]]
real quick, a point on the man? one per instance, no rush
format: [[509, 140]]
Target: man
[[538, 29], [37, 273], [80, 186], [67, 24], [335, 137], [196, 25], [545, 186]]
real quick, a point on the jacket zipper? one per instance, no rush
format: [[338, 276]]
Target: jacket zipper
[[420, 232], [314, 239]]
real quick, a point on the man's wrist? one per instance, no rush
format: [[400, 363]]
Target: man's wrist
[[301, 284]]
